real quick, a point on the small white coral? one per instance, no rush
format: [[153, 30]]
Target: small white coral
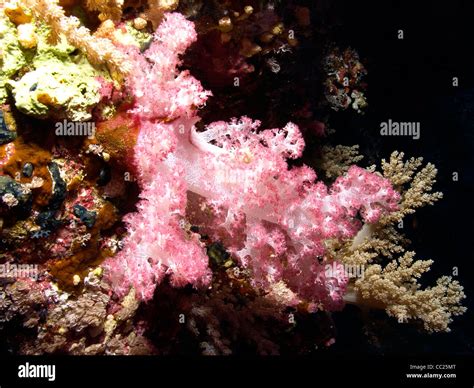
[[9, 200], [27, 35]]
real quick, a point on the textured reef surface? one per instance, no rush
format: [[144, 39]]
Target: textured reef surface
[[168, 183]]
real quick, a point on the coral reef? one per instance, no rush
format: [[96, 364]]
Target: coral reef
[[143, 213]]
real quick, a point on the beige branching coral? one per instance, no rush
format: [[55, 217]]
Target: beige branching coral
[[420, 182], [371, 242], [156, 8], [335, 161], [98, 50], [394, 287]]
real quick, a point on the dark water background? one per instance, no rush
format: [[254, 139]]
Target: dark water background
[[411, 80]]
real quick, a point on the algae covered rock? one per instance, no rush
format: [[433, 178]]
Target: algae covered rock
[[47, 80], [59, 89], [13, 197], [12, 56], [6, 134]]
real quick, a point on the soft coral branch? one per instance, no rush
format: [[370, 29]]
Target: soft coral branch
[[278, 217], [157, 243], [244, 175]]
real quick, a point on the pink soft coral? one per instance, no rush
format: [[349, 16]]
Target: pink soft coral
[[157, 243], [160, 91], [235, 179], [243, 173]]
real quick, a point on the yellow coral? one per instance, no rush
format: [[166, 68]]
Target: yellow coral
[[139, 23]]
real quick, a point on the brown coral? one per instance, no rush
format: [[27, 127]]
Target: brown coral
[[109, 9]]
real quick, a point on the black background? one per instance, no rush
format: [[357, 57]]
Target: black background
[[411, 80]]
